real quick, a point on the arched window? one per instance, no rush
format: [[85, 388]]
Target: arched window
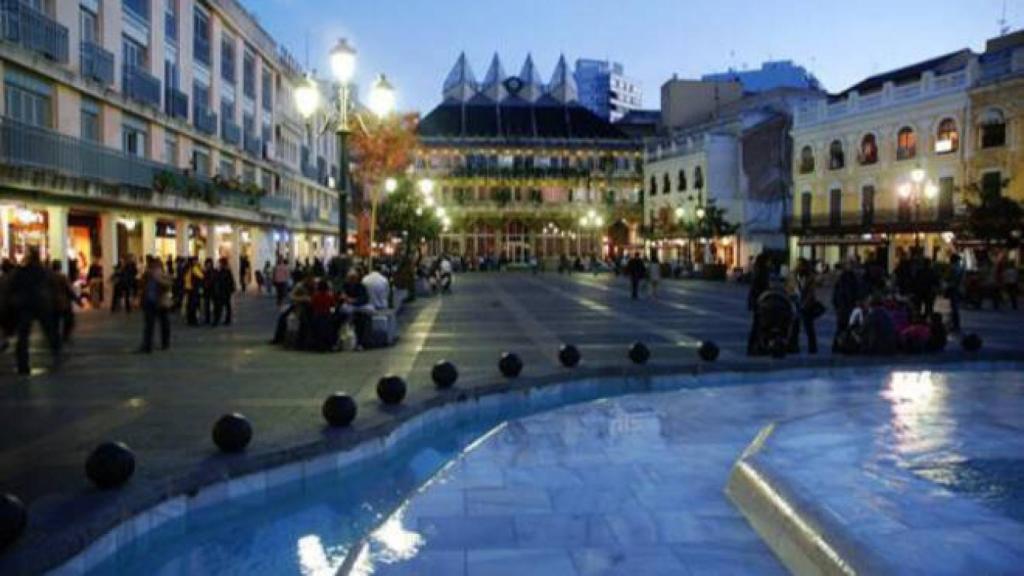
[[868, 150], [836, 159], [806, 160], [698, 178], [993, 129], [654, 186], [666, 184], [906, 143], [947, 140], [681, 185]]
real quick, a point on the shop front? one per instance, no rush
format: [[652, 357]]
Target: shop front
[[21, 229], [166, 240]]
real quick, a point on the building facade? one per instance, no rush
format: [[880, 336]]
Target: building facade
[[772, 74], [739, 161], [605, 90], [880, 168], [155, 127], [518, 163]]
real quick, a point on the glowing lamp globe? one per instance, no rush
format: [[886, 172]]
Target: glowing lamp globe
[[390, 185], [343, 61], [917, 175], [382, 97], [307, 98]]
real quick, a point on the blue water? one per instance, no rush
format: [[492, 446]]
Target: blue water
[[309, 526]]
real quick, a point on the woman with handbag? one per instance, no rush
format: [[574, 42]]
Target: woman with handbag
[[803, 287], [156, 303]]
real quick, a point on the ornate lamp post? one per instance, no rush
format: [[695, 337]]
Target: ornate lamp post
[[916, 191]]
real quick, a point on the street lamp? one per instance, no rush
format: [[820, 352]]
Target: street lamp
[[390, 185], [916, 191], [591, 222], [382, 97]]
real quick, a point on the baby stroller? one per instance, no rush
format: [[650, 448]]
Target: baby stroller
[[775, 321]]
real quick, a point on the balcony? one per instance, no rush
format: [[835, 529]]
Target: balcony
[[176, 103], [276, 205], [201, 50], [204, 119], [28, 146], [229, 131], [930, 219], [33, 30], [97, 63], [252, 145], [141, 86]]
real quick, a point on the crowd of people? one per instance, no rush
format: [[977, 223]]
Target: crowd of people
[[875, 313]]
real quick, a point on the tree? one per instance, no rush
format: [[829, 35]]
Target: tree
[[382, 148], [402, 215], [712, 225], [994, 218]]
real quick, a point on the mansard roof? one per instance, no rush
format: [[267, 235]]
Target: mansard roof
[[517, 119], [944, 64], [460, 84], [494, 82]]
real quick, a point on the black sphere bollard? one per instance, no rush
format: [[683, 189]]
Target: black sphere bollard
[[708, 351], [510, 365], [569, 355], [444, 374], [391, 390], [639, 353], [971, 342], [110, 465], [339, 409], [232, 432], [13, 518]]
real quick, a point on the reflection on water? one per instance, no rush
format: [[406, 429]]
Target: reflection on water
[[999, 482], [313, 559], [918, 402]]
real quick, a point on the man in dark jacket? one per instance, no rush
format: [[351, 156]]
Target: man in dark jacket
[[759, 283], [223, 289], [636, 271], [845, 295], [208, 282], [31, 292]]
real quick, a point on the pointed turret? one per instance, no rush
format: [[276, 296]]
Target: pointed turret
[[533, 86], [494, 82], [460, 85], [563, 85]]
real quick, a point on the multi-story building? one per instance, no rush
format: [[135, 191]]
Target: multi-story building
[[605, 90], [735, 156], [995, 153], [517, 164], [879, 168], [772, 74], [161, 127]]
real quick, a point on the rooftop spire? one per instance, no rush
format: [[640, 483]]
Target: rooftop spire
[[533, 86], [563, 85], [493, 86], [460, 85]]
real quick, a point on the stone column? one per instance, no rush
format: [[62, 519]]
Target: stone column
[[108, 246], [57, 235], [212, 242], [181, 238], [235, 260], [148, 223]]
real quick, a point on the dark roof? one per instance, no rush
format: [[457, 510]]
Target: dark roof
[[940, 65], [516, 119]]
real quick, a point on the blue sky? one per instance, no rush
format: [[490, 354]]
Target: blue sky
[[415, 42]]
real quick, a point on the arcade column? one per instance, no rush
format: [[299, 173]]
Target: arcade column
[[57, 235]]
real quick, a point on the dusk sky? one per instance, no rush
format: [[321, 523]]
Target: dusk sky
[[415, 42]]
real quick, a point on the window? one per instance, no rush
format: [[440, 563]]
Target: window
[[133, 136], [698, 178], [170, 74], [267, 93], [171, 21], [992, 184], [201, 37], [27, 99], [227, 167], [868, 150], [201, 160], [681, 185], [806, 204], [666, 184], [139, 8], [906, 144], [993, 129], [806, 160], [654, 186], [90, 120], [171, 149], [88, 25], [836, 159], [947, 140], [867, 205], [249, 76], [835, 207], [201, 94], [227, 59], [134, 53], [946, 198]]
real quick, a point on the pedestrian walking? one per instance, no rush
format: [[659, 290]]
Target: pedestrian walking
[[64, 299], [223, 290], [193, 290], [94, 279], [280, 278], [244, 272], [802, 289], [845, 295], [32, 300], [1011, 281], [208, 280], [654, 276], [955, 291], [156, 305], [759, 282], [635, 271]]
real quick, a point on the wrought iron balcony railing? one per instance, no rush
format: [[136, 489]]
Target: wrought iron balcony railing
[[34, 30], [277, 205], [929, 218], [176, 103], [97, 63], [141, 86]]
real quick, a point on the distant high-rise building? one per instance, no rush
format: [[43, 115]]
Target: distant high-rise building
[[771, 75], [605, 91]]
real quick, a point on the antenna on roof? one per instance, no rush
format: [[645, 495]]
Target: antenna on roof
[[1003, 27]]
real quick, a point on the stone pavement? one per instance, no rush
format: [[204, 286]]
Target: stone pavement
[[163, 405]]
